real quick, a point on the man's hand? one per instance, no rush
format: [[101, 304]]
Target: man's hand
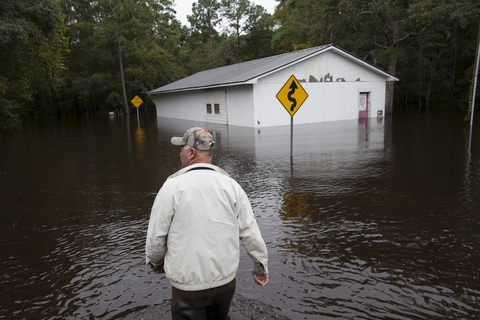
[[159, 270], [260, 279]]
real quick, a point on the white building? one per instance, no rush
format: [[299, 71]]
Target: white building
[[339, 86]]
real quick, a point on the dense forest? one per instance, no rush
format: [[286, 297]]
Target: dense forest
[[84, 57]]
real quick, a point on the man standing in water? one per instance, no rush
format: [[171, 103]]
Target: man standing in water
[[203, 213]]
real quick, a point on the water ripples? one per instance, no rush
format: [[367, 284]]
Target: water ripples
[[358, 226]]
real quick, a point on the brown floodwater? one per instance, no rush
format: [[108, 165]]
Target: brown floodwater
[[367, 220]]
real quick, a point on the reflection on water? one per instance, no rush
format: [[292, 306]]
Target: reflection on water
[[367, 220]]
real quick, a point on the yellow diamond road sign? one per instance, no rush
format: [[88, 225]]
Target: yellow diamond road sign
[[137, 101], [292, 95]]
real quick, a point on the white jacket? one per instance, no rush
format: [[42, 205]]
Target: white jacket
[[195, 225]]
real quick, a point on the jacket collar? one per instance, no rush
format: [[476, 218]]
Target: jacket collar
[[197, 165]]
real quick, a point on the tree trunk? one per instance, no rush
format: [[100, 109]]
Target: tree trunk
[[392, 66], [210, 35], [120, 59], [125, 102], [428, 94], [452, 90]]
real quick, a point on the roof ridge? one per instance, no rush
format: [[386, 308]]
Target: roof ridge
[[271, 57], [248, 71]]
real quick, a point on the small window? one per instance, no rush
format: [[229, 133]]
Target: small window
[[209, 108], [217, 108]]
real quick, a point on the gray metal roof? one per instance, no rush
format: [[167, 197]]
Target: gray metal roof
[[250, 71]]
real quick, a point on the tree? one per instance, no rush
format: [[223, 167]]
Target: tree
[[205, 18], [259, 26], [118, 39], [32, 45], [416, 40], [297, 20], [438, 35], [250, 37], [389, 28], [236, 13], [148, 35]]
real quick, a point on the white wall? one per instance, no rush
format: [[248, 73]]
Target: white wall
[[257, 106], [240, 106], [213, 97], [327, 101], [191, 105], [188, 105]]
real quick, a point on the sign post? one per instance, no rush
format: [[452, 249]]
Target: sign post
[[137, 102], [292, 96]]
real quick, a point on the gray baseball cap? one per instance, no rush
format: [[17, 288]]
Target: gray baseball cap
[[196, 137]]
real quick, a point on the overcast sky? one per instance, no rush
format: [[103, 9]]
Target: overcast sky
[[184, 8]]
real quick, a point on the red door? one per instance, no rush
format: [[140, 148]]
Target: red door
[[363, 105]]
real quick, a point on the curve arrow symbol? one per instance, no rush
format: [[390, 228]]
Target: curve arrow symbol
[[293, 87]]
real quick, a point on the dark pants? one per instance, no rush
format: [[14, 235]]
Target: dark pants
[[211, 304]]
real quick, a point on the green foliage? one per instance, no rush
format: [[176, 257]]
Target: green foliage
[[236, 12], [428, 44], [32, 44], [147, 35], [259, 28], [9, 111], [247, 33], [205, 17], [63, 56], [68, 56]]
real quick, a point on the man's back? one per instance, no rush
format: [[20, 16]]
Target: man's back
[[197, 220], [203, 239]]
